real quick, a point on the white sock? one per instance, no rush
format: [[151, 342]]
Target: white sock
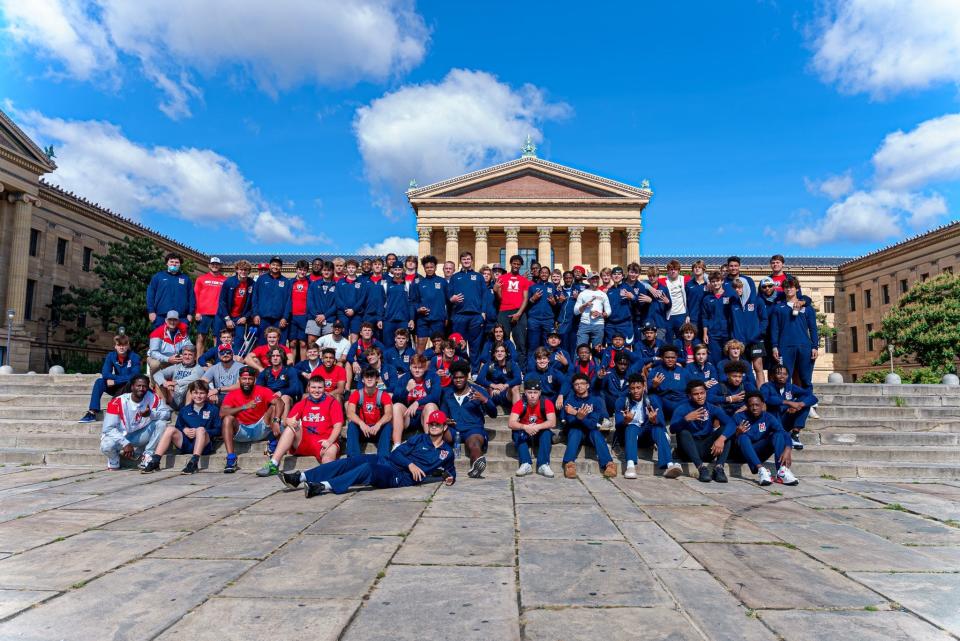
[[303, 477], [326, 486], [275, 462]]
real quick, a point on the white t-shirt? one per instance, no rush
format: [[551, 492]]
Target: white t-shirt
[[678, 300], [590, 300], [342, 346]]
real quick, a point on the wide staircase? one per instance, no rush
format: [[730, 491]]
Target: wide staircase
[[905, 432]]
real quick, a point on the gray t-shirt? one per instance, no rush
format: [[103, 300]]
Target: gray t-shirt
[[220, 376], [182, 376]]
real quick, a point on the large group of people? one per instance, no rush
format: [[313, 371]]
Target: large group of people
[[415, 359]]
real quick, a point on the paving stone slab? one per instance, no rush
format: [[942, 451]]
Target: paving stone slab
[[184, 514], [293, 502], [536, 489], [33, 531], [413, 493], [662, 492], [735, 486], [16, 478], [452, 541], [24, 504], [473, 603], [245, 486], [946, 490], [932, 596], [488, 498], [577, 573], [362, 517], [900, 527], [720, 616], [241, 536], [865, 487], [258, 619], [772, 576], [612, 500], [779, 510], [655, 546], [135, 499], [79, 558], [656, 624], [927, 504], [839, 500], [319, 567], [13, 601], [702, 524], [574, 521], [134, 603], [108, 482], [862, 626]]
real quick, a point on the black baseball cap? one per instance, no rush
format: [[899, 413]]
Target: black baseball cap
[[532, 383], [276, 259]]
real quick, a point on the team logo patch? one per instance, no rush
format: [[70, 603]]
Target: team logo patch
[[206, 414], [436, 285], [762, 427], [443, 455], [241, 291], [789, 396], [749, 307], [513, 286], [368, 407], [676, 376], [473, 277], [281, 283], [356, 285]]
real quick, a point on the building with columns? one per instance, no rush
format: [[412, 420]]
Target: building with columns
[[535, 208]]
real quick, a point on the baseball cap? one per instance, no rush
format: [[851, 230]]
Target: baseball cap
[[580, 267], [593, 275], [225, 348], [263, 266], [766, 280], [498, 267], [214, 260], [648, 326], [173, 314], [276, 259], [531, 383], [436, 416], [617, 270], [455, 337], [246, 369]]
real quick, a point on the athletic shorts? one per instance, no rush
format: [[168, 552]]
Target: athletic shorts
[[258, 431], [298, 329], [313, 329], [468, 433], [310, 446], [186, 447], [206, 324], [755, 350], [427, 328], [351, 324]]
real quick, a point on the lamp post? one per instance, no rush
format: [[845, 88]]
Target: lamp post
[[10, 314], [890, 349], [892, 378]]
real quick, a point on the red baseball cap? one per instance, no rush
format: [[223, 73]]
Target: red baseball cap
[[437, 416], [580, 267], [263, 266], [455, 337]]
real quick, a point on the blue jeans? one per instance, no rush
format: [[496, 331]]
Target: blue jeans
[[647, 435], [543, 440], [354, 436], [100, 388], [576, 434], [757, 452], [589, 334], [366, 469]]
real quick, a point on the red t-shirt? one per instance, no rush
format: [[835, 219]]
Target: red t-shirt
[[533, 411], [239, 299], [298, 296], [207, 293], [410, 277], [778, 280], [330, 379], [317, 417], [314, 277], [512, 289], [368, 411], [262, 395], [261, 353]]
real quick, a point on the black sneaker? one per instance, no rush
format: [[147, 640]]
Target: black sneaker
[[796, 444], [311, 490], [476, 470], [89, 417], [719, 475], [152, 465], [232, 465], [192, 467], [290, 479], [704, 474]]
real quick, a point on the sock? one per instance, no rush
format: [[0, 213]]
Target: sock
[[326, 485], [231, 457], [275, 462], [303, 477], [195, 458]]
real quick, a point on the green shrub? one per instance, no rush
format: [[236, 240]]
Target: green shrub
[[918, 375]]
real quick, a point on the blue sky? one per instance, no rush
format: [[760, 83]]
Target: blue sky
[[817, 129]]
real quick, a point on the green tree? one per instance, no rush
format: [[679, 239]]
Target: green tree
[[824, 329], [925, 325], [120, 300]]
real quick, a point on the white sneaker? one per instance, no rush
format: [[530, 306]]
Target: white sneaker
[[763, 476], [544, 470], [813, 412], [144, 460], [673, 470], [524, 469], [786, 477], [631, 471], [606, 424]]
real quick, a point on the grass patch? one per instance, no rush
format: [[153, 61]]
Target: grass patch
[[381, 574], [59, 538], [776, 492], [871, 608], [952, 523], [899, 402], [829, 477], [896, 507], [78, 585]]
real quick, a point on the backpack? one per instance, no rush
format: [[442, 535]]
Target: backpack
[[379, 399], [526, 409]]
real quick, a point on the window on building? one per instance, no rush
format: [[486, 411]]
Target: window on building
[[868, 298], [903, 286], [528, 256], [61, 251], [948, 270], [87, 258], [924, 277], [853, 303], [885, 294], [854, 344], [830, 344], [869, 331], [34, 242], [828, 305], [81, 320], [28, 304], [57, 293]]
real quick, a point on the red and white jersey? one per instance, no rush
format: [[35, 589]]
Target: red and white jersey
[[122, 412], [207, 293]]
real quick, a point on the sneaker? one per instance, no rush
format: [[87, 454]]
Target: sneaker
[[786, 477], [271, 447], [673, 471], [813, 412], [149, 464], [631, 471], [704, 476], [269, 469], [719, 475], [795, 441], [192, 466], [763, 476], [606, 424], [570, 470], [232, 464], [524, 469], [476, 470], [89, 417], [311, 490], [290, 479], [555, 437], [544, 470], [610, 470]]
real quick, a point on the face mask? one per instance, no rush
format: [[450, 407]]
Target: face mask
[[173, 269]]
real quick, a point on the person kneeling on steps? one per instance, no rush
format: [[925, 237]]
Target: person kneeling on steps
[[703, 433], [761, 434]]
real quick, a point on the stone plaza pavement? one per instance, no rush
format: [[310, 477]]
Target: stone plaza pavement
[[92, 555]]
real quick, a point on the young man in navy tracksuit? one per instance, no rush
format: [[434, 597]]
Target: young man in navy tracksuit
[[622, 300], [467, 405], [321, 304], [731, 393], [467, 296], [399, 354], [399, 310], [418, 460], [715, 317], [375, 297], [748, 324], [170, 290], [119, 367], [236, 298], [793, 333], [760, 434], [640, 417], [568, 320], [272, 302], [349, 293], [429, 295], [613, 383], [704, 433], [668, 381], [583, 412], [551, 380], [541, 301], [791, 403], [701, 368], [696, 288]]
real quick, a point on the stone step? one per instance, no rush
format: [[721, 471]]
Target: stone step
[[881, 454], [52, 412], [45, 389], [887, 390], [880, 400], [42, 426], [884, 424], [901, 439], [873, 411], [24, 456], [75, 401]]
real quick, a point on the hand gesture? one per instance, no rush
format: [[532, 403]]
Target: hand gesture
[[657, 380], [628, 416], [718, 444], [652, 413], [743, 427], [699, 414], [416, 472]]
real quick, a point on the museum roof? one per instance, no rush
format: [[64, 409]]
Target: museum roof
[[909, 239]]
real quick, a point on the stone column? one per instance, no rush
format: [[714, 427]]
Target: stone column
[[543, 246], [453, 244], [480, 250], [425, 235], [575, 249], [513, 243], [19, 255], [633, 245], [604, 253]]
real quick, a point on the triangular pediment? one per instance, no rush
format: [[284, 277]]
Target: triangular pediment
[[528, 183], [13, 139]]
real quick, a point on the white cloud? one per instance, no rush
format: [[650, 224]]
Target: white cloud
[[870, 216], [882, 47], [397, 244], [834, 187], [96, 160], [929, 153], [434, 131], [280, 46]]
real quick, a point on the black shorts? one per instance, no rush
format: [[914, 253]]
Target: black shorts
[[755, 350]]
